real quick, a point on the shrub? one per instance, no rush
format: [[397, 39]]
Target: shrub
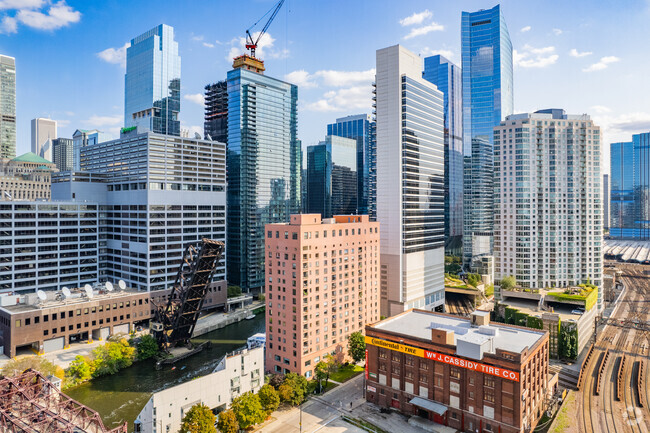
[[227, 422], [147, 347], [234, 291], [508, 283], [42, 365]]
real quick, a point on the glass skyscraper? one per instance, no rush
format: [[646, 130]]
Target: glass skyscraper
[[264, 168], [447, 77], [359, 127], [152, 99], [7, 107], [487, 100], [630, 188], [332, 177]]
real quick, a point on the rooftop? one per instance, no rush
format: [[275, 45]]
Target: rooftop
[[418, 323], [31, 157]]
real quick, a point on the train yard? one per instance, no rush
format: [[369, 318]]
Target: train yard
[[612, 384]]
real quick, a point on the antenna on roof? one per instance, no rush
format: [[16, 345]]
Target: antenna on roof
[[66, 292], [109, 286], [89, 291], [41, 295], [121, 284]]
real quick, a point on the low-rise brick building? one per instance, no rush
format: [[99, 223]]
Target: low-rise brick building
[[464, 373]]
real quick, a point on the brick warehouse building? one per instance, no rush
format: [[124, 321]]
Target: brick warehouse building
[[464, 373], [322, 284]]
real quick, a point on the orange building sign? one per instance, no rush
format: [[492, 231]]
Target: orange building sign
[[447, 359]]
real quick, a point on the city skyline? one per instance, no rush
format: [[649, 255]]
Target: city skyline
[[332, 84]]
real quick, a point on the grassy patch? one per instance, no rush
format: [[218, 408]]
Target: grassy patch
[[313, 386], [364, 424], [566, 415], [346, 372]]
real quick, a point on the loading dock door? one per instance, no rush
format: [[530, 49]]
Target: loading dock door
[[53, 344], [101, 334], [121, 329]]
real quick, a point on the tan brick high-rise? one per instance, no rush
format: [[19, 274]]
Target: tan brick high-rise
[[322, 284]]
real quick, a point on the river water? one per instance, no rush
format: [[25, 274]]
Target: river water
[[121, 397]]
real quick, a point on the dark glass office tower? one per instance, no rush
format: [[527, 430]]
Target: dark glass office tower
[[332, 177], [359, 127], [630, 188], [263, 168], [487, 99], [216, 112], [152, 99], [447, 77]]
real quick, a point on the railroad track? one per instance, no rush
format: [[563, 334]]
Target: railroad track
[[613, 399]]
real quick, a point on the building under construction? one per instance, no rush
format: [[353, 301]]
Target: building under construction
[[31, 403]]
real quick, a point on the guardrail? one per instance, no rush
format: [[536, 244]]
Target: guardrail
[[601, 370], [619, 378], [585, 362], [640, 383]]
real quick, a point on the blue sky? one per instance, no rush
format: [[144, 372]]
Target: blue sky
[[584, 56]]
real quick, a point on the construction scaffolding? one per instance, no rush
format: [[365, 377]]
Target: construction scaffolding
[[30, 403]]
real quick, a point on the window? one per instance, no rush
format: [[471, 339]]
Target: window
[[488, 381], [488, 395], [18, 323], [382, 353], [454, 372]]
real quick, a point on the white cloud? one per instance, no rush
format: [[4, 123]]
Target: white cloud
[[115, 55], [416, 18], [525, 29], [197, 38], [330, 78], [21, 4], [96, 121], [208, 45], [301, 78], [58, 15], [602, 64], [8, 25], [347, 99], [621, 127], [196, 98], [265, 48], [557, 32], [419, 31], [601, 109], [426, 51], [62, 123], [576, 53], [531, 57]]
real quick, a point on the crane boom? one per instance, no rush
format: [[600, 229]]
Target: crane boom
[[252, 44]]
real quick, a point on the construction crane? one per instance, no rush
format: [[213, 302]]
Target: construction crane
[[252, 44], [174, 323]]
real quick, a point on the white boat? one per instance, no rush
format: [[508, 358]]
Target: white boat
[[251, 317]]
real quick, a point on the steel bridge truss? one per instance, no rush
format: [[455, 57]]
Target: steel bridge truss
[[30, 403], [175, 322]]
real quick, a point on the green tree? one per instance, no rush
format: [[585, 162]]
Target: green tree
[[42, 365], [508, 283], [294, 389], [234, 291], [473, 279], [248, 410], [80, 370], [227, 422], [320, 373], [112, 357], [147, 347], [269, 398], [199, 419], [357, 346]]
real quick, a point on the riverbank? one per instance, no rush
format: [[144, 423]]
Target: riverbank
[[215, 321]]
